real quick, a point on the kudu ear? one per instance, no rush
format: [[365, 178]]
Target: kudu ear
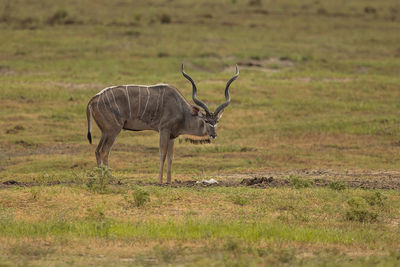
[[195, 111]]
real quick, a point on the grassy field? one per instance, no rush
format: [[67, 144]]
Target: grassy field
[[317, 96]]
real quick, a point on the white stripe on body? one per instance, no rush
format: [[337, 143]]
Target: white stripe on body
[[158, 97], [127, 95], [105, 89], [162, 102], [139, 103], [90, 121], [115, 102], [129, 102], [98, 109], [110, 87], [110, 111], [138, 85], [148, 97], [109, 103]]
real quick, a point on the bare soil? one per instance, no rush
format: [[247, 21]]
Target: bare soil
[[320, 178], [388, 180]]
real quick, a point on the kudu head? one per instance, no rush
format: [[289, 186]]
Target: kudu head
[[209, 120]]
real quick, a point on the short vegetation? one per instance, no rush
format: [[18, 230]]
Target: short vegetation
[[138, 197], [299, 182], [99, 178], [365, 208], [317, 96]]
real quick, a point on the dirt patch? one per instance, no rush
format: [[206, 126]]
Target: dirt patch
[[271, 182], [269, 65], [190, 183], [387, 180], [378, 180], [15, 130], [265, 182], [322, 178], [325, 80], [12, 183]]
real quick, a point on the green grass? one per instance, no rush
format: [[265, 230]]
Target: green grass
[[324, 96], [271, 222], [190, 230]]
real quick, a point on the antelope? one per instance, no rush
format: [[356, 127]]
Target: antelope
[[160, 108]]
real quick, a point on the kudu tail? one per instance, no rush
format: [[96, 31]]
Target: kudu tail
[[89, 119]]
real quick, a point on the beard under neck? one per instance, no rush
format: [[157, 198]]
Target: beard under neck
[[197, 139]]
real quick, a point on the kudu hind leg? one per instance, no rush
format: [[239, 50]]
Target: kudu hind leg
[[107, 145], [98, 149]]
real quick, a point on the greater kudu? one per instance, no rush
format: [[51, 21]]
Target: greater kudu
[[160, 107]]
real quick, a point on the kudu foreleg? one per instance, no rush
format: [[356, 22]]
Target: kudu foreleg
[[164, 143], [170, 156]]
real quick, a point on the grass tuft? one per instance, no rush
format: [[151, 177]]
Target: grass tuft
[[375, 199], [139, 197], [165, 19], [239, 200], [299, 182], [338, 185], [360, 211], [99, 178]]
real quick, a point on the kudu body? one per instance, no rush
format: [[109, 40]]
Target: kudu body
[[160, 107]]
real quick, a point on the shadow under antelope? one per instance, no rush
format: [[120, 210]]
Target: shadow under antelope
[[161, 108]]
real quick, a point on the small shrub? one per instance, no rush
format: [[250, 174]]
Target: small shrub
[[337, 185], [61, 17], [361, 215], [299, 182], [58, 17], [370, 10], [5, 17], [138, 17], [165, 19], [139, 197], [162, 54], [360, 211], [375, 199], [255, 3], [322, 11], [99, 178]]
